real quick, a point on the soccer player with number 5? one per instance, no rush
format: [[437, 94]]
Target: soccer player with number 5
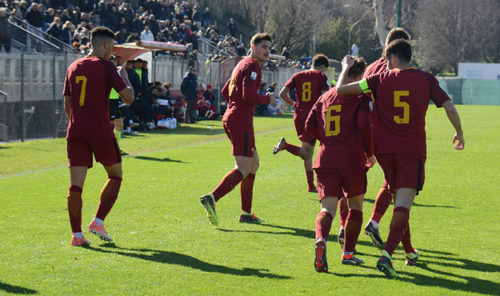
[[309, 86], [402, 97], [87, 85]]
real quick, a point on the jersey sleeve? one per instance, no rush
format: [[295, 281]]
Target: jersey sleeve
[[225, 90], [370, 84], [250, 88], [115, 80], [438, 95], [324, 83], [291, 83], [312, 126]]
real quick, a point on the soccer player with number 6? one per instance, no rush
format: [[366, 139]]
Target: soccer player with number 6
[[309, 86], [87, 85], [342, 125]]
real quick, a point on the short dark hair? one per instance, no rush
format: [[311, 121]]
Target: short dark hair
[[259, 37], [357, 68], [319, 60], [101, 34], [400, 48], [396, 33]]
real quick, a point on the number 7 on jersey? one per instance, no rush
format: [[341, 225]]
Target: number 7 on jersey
[[83, 80]]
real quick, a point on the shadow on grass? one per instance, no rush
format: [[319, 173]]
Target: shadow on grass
[[443, 279], [168, 257], [418, 205], [16, 289], [164, 159], [309, 234], [191, 129]]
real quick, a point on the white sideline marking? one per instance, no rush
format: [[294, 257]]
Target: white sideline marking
[[132, 155]]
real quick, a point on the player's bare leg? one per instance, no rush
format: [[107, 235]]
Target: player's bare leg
[[382, 202], [352, 229], [323, 224], [108, 197], [246, 189], [74, 202], [402, 205], [306, 153]]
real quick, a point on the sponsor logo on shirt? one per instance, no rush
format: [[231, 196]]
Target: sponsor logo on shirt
[[253, 75]]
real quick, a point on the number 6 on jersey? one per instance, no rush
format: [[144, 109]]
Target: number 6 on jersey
[[332, 118]]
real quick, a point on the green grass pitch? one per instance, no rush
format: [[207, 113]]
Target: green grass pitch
[[164, 244]]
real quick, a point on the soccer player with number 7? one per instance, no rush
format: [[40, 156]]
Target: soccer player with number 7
[[402, 97], [87, 85]]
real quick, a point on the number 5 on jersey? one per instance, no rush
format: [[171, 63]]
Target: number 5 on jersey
[[332, 120], [399, 104], [83, 80]]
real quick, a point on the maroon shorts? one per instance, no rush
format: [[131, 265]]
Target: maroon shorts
[[242, 138], [403, 170], [80, 152], [300, 127], [341, 182]]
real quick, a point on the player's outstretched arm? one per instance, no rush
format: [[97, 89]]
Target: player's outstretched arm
[[454, 118], [285, 95], [343, 87], [127, 94]]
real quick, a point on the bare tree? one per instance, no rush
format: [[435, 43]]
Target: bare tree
[[454, 31]]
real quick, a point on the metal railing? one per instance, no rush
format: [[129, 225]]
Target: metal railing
[[4, 136], [39, 35]]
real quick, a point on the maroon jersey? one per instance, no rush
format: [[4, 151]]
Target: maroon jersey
[[309, 85], [88, 82], [342, 126], [401, 99], [242, 92], [376, 67]]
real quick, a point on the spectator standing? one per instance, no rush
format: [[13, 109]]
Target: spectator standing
[[147, 34], [206, 18], [67, 32], [285, 53], [55, 29], [189, 88], [5, 31], [231, 27]]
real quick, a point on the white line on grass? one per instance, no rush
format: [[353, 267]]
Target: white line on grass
[[146, 153]]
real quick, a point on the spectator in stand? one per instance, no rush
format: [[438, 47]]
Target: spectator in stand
[[197, 16], [241, 50], [133, 38], [262, 109], [137, 25], [55, 29], [209, 96], [147, 34], [122, 35], [5, 31], [189, 88], [68, 32], [285, 53], [35, 16], [206, 18], [231, 27]]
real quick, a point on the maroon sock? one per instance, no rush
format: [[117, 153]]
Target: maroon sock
[[295, 150], [310, 179], [246, 189], [343, 211], [406, 240], [382, 202], [227, 183], [109, 194], [323, 225], [352, 230], [399, 223], [75, 208]]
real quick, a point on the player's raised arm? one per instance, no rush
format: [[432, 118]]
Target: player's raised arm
[[454, 118], [250, 89], [285, 95], [343, 87]]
